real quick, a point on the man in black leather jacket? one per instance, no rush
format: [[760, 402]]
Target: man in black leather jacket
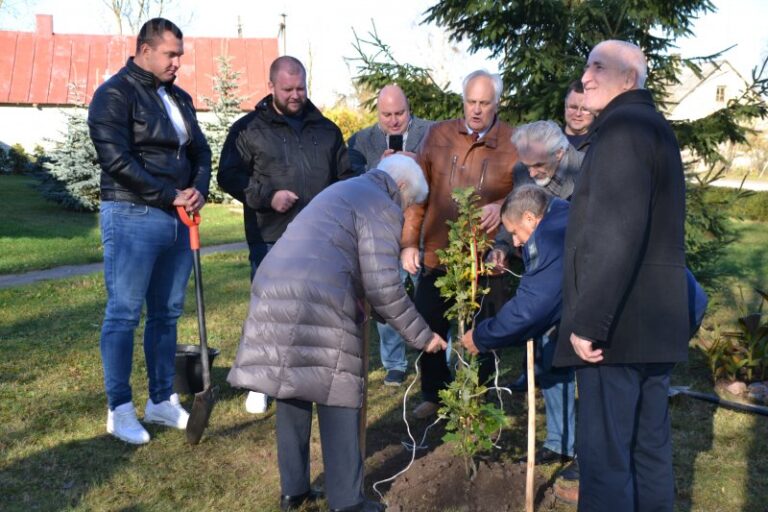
[[153, 158]]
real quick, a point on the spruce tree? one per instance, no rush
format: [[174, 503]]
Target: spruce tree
[[72, 171], [542, 45], [226, 108]]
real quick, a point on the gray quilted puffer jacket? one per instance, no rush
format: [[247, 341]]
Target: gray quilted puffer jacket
[[303, 335]]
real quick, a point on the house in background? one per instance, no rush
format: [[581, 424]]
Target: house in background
[[45, 74], [698, 96]]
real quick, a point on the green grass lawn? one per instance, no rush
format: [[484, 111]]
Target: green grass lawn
[[55, 454], [37, 234]]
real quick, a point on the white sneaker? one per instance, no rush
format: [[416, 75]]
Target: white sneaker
[[122, 424], [169, 413], [256, 403]]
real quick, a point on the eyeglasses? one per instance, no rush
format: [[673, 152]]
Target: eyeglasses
[[578, 110]]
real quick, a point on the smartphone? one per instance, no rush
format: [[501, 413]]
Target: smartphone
[[395, 142]]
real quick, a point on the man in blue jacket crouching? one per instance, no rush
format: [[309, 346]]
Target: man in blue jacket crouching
[[537, 223]]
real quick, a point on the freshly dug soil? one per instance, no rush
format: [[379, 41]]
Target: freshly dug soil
[[438, 482]]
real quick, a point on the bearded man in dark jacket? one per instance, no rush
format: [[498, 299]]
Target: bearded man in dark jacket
[[302, 340], [153, 158], [625, 320], [280, 156], [275, 160]]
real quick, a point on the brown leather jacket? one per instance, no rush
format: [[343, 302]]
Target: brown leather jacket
[[450, 159]]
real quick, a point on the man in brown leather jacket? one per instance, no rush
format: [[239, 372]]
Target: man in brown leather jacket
[[474, 151]]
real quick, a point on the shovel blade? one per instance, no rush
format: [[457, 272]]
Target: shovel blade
[[199, 415]]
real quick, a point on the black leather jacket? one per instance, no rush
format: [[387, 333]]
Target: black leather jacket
[[264, 154], [138, 149]]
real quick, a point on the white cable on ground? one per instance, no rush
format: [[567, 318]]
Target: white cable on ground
[[413, 445]]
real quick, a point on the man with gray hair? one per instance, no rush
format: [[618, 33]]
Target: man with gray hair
[[302, 341], [396, 131], [473, 151], [546, 158], [626, 316]]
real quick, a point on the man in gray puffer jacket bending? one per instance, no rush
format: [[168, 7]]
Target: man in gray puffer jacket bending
[[303, 339]]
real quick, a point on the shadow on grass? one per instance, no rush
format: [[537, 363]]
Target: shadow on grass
[[692, 428], [57, 478]]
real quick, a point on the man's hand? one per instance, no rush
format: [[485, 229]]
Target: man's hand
[[583, 348], [409, 258], [283, 200], [190, 198], [436, 344], [491, 217], [497, 258], [469, 343]]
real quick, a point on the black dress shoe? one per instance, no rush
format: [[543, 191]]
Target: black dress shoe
[[365, 506], [571, 471], [288, 503], [547, 456]]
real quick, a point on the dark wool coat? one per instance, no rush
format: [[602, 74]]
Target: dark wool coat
[[303, 335], [624, 271]]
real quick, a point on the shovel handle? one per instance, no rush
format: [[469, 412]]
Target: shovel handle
[[191, 221]]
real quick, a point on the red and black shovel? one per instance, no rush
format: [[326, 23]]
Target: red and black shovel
[[204, 400]]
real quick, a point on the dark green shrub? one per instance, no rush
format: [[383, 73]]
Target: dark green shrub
[[17, 160], [749, 205]]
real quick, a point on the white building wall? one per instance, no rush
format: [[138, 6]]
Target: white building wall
[[44, 125], [703, 100], [30, 126]]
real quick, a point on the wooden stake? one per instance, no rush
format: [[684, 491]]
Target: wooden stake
[[529, 471]]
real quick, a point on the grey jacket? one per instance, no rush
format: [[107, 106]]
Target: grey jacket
[[303, 335], [367, 145]]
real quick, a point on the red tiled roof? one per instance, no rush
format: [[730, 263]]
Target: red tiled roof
[[64, 69]]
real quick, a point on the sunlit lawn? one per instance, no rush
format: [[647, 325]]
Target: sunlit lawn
[[55, 454], [37, 234]]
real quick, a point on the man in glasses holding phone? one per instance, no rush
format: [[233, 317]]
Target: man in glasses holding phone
[[397, 131]]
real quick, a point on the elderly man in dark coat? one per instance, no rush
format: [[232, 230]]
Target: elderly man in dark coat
[[625, 300], [302, 340]]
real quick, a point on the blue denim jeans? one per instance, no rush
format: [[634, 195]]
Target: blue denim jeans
[[146, 259], [391, 345], [558, 387]]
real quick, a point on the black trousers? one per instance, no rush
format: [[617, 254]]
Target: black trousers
[[623, 438], [435, 374], [339, 436]]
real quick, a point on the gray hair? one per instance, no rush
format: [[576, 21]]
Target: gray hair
[[632, 57], [404, 168], [525, 198], [546, 133], [495, 79]]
